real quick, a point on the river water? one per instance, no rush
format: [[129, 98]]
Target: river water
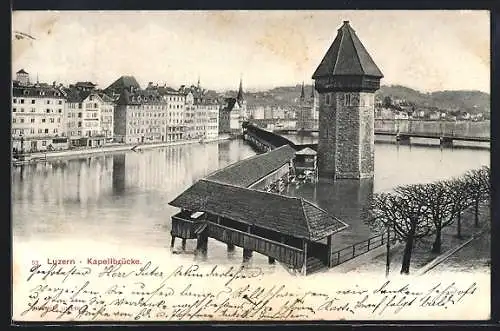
[[123, 197]]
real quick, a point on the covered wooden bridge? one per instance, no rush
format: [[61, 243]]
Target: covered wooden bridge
[[288, 229], [231, 205]]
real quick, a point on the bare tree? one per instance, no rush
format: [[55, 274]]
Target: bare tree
[[405, 215], [458, 200], [437, 198], [478, 189]]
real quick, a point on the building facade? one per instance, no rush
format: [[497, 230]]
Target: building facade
[[88, 117], [38, 122], [141, 117]]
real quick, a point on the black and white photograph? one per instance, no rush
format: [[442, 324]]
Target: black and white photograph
[[250, 165]]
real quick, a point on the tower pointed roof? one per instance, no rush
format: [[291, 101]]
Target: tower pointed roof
[[302, 93], [239, 97], [347, 57]]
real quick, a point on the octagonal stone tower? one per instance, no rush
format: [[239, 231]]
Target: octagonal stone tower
[[346, 80]]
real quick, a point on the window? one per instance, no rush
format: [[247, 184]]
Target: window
[[43, 120], [79, 115], [14, 100], [55, 130], [32, 120], [59, 111], [13, 120], [80, 105], [51, 120], [59, 102], [47, 111], [95, 105], [44, 143], [32, 131], [32, 101], [347, 99], [46, 130], [48, 102], [22, 120], [59, 120], [13, 110], [33, 110], [22, 110], [22, 100]]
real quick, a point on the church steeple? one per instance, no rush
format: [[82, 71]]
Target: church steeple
[[302, 93], [239, 97]]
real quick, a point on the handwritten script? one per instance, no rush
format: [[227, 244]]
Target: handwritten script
[[192, 292]]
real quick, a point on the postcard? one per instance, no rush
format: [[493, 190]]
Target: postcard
[[250, 165]]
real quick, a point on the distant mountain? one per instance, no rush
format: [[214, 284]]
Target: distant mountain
[[470, 101]]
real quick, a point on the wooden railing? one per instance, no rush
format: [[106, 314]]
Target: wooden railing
[[289, 255], [182, 228], [362, 247]]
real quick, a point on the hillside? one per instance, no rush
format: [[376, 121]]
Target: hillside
[[470, 101]]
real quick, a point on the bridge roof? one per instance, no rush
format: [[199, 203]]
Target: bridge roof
[[288, 215], [347, 56], [249, 171]]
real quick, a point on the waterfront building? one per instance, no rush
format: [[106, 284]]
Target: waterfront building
[[255, 111], [88, 115], [37, 117], [202, 114], [189, 114], [141, 116], [234, 113], [224, 116], [175, 113], [209, 106], [268, 112], [346, 80]]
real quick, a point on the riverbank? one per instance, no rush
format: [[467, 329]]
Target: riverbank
[[423, 259], [44, 156]]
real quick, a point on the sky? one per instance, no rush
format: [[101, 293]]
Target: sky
[[424, 50]]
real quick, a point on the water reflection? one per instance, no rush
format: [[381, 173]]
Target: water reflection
[[119, 174]]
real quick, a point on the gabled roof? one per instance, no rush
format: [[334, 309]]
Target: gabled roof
[[21, 72], [124, 82], [347, 56], [306, 151], [288, 215], [37, 91], [74, 95], [248, 171]]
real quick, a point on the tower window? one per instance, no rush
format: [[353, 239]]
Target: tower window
[[327, 99], [347, 99]]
